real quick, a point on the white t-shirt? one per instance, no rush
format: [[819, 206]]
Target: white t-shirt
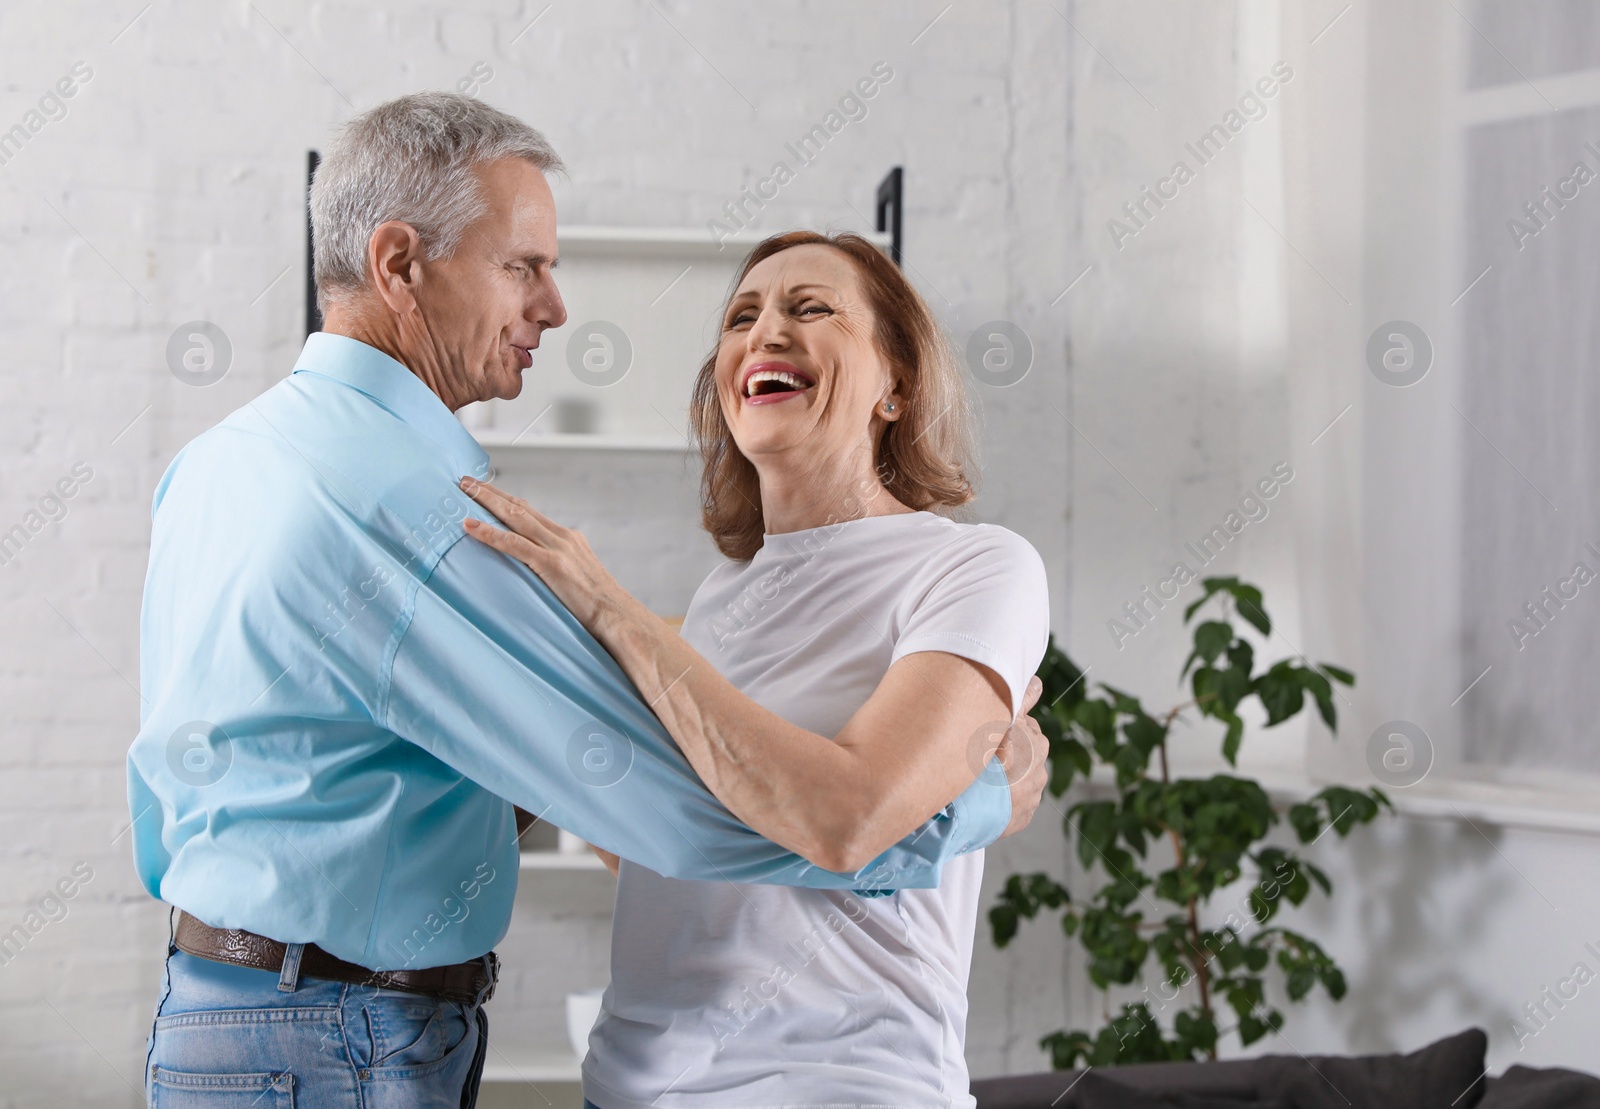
[[726, 995]]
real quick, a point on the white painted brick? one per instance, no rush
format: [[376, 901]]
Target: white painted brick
[[181, 162]]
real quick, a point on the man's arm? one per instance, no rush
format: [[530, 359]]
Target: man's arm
[[963, 660], [497, 679]]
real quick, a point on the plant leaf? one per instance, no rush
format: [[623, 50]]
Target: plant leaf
[[1338, 674], [1281, 693], [1252, 611], [1231, 741], [1306, 820], [1212, 587], [1211, 638]]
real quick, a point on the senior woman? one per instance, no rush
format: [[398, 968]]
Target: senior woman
[[854, 635]]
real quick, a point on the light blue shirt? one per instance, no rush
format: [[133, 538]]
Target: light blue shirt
[[342, 698]]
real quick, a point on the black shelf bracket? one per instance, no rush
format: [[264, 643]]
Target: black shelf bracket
[[891, 191], [313, 317]]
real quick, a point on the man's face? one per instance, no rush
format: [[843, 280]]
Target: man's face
[[482, 310]]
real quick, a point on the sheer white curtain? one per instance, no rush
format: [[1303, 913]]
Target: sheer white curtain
[[1443, 171]]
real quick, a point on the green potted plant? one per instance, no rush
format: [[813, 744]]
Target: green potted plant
[[1215, 831]]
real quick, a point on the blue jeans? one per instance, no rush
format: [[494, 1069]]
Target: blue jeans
[[228, 1037]]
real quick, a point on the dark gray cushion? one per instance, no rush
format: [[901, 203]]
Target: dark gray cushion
[[1094, 1091], [1444, 1075], [1549, 1088], [1231, 1079]]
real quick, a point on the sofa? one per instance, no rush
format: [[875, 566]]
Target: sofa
[[1449, 1074]]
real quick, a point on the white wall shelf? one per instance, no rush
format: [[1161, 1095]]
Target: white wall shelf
[[677, 242], [493, 439], [562, 860], [643, 306]]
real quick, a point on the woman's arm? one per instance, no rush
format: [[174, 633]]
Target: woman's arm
[[613, 863], [921, 738], [918, 742]]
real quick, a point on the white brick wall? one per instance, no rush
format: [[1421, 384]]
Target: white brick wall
[[171, 191]]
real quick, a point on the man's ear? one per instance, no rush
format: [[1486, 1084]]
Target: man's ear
[[394, 256]]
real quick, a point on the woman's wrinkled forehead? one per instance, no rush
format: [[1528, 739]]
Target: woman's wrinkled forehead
[[810, 264]]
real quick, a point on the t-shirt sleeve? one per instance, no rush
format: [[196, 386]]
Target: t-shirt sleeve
[[984, 598]]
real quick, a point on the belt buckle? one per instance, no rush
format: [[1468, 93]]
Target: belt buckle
[[491, 963]]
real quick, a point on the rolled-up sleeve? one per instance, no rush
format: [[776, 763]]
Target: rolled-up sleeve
[[493, 676]]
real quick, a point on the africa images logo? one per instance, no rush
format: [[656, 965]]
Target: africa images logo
[[1251, 108], [52, 108]]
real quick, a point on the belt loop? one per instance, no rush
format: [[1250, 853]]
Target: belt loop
[[289, 977]]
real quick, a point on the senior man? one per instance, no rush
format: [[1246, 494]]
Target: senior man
[[344, 702]]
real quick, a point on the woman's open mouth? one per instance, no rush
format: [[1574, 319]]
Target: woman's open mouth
[[771, 382]]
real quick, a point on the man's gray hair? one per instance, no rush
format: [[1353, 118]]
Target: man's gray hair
[[409, 159]]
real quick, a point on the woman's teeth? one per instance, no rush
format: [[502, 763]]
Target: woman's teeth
[[773, 381]]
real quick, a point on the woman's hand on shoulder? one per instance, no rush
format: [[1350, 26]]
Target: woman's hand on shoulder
[[560, 556]]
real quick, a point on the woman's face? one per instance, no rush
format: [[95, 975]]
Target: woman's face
[[798, 372]]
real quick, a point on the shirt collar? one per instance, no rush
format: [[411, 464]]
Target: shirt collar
[[397, 389]]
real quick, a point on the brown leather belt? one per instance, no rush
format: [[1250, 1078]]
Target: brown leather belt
[[463, 982]]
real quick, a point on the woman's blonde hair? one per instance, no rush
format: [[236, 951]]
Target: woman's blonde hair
[[923, 459]]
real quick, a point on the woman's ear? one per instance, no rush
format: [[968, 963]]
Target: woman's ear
[[892, 405]]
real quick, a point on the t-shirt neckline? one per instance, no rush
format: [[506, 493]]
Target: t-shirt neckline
[[785, 541]]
